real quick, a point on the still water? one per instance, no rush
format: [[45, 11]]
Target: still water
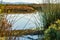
[[27, 21]]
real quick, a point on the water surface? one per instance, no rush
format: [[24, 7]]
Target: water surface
[[26, 21]]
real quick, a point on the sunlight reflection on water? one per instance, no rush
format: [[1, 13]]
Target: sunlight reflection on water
[[24, 21]]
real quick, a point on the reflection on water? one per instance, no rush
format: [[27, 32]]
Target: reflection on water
[[26, 21]]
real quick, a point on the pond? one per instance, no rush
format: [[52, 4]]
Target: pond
[[27, 21]]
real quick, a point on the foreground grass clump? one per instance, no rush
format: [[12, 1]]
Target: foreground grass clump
[[51, 14], [53, 32], [52, 22]]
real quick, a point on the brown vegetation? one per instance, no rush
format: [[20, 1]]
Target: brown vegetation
[[4, 25], [17, 9]]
